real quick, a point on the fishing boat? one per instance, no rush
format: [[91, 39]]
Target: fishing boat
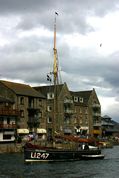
[[81, 151], [36, 153]]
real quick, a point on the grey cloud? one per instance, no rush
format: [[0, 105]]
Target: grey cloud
[[72, 13], [29, 58]]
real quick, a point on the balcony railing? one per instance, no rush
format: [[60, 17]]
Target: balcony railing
[[10, 126], [9, 112], [30, 107], [96, 114], [96, 105], [68, 101], [97, 124], [69, 111]]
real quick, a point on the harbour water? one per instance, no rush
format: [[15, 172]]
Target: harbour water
[[12, 166]]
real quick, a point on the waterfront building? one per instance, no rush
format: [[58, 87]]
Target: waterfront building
[[63, 111], [29, 103], [8, 120], [75, 112], [109, 127], [88, 112]]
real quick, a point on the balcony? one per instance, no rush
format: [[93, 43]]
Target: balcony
[[66, 101], [69, 111], [32, 107], [8, 126], [97, 124], [96, 105], [9, 112], [96, 114]]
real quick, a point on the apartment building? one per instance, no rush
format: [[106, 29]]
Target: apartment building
[[8, 120], [28, 102], [88, 112], [109, 127], [49, 110], [60, 111]]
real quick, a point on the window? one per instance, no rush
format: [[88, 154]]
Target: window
[[50, 95], [22, 113], [49, 120], [81, 100], [21, 100], [49, 108], [76, 98], [6, 137], [8, 120], [40, 102]]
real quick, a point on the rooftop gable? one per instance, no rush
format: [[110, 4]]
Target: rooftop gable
[[48, 88], [21, 89], [82, 94]]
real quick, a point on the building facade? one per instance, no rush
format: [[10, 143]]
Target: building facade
[[88, 112], [109, 127], [59, 112], [28, 102], [8, 120], [49, 110]]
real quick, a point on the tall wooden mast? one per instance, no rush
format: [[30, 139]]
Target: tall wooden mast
[[55, 75], [55, 66]]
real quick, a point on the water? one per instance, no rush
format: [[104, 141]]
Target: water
[[12, 166]]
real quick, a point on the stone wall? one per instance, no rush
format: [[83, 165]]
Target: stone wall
[[11, 148]]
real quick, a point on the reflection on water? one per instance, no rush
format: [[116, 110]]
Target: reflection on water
[[12, 166]]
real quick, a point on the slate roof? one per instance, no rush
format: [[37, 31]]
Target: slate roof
[[22, 89], [48, 88]]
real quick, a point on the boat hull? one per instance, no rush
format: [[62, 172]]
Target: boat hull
[[37, 155]]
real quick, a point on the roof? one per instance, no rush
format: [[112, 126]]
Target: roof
[[106, 117], [22, 89], [82, 94], [48, 88]]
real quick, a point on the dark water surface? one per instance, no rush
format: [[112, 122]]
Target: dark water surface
[[12, 166]]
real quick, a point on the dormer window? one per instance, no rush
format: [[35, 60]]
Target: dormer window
[[81, 100], [50, 96], [76, 99]]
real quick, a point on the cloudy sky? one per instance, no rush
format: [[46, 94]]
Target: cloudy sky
[[87, 44]]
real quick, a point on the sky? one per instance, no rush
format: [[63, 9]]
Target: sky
[[87, 45]]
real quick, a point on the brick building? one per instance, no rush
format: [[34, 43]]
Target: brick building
[[28, 102], [88, 112], [59, 113]]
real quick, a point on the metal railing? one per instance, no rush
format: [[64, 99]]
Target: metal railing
[[9, 112], [10, 126]]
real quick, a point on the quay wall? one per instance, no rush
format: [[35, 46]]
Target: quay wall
[[10, 148]]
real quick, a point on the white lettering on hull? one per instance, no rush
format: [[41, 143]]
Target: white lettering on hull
[[39, 155]]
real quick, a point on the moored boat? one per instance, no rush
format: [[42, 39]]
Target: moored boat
[[35, 153]]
